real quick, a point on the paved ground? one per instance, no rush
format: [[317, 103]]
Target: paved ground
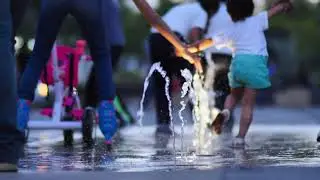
[[266, 173], [281, 144]]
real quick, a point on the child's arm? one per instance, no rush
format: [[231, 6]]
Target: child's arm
[[155, 20], [279, 7], [201, 45], [218, 40]]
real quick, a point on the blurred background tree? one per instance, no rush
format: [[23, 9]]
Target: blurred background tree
[[293, 38]]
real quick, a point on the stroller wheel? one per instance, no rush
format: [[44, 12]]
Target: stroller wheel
[[87, 125], [68, 134]]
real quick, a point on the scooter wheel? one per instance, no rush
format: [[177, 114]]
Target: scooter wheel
[[88, 120], [68, 134]]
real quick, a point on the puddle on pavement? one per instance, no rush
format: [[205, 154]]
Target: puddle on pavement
[[136, 151]]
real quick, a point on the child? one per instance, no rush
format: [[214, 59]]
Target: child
[[248, 70], [182, 19]]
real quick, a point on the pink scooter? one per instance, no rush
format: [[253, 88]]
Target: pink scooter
[[66, 113]]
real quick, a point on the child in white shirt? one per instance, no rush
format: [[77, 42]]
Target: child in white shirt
[[248, 70]]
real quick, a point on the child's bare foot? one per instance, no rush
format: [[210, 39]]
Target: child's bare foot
[[238, 142], [221, 118]]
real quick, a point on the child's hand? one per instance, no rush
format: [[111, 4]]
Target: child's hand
[[192, 58], [191, 48], [286, 5], [200, 45], [281, 6]]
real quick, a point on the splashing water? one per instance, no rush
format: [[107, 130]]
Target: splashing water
[[202, 114], [202, 100], [204, 108], [187, 85], [157, 67], [153, 68], [201, 109], [209, 81], [167, 86], [223, 41]]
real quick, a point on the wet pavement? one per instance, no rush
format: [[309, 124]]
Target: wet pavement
[[279, 139]]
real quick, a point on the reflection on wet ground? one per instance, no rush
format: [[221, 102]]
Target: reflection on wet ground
[[138, 149]]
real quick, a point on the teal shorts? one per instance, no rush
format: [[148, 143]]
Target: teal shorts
[[249, 71]]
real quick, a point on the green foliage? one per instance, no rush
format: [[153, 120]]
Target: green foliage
[[303, 24], [137, 29]]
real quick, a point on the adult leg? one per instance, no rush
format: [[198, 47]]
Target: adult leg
[[160, 51], [92, 21], [11, 139], [122, 109], [18, 9], [116, 51], [90, 93], [51, 16]]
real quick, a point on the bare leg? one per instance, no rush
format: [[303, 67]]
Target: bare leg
[[229, 105], [248, 102], [233, 98]]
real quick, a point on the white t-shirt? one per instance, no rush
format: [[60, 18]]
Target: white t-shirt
[[183, 17], [219, 23], [248, 36]]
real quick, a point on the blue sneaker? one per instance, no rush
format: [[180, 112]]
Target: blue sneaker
[[107, 120], [23, 111]]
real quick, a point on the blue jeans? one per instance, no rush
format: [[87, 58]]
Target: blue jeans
[[11, 140], [18, 9], [89, 15]]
